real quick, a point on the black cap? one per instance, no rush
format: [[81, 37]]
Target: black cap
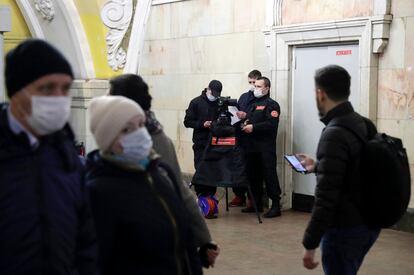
[[31, 60], [215, 87]]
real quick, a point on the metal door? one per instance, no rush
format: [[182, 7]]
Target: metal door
[[306, 125]]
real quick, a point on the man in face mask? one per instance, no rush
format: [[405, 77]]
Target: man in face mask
[[47, 227], [244, 103], [260, 130], [199, 116]]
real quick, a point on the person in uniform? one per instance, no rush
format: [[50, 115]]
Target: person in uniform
[[244, 103], [260, 130]]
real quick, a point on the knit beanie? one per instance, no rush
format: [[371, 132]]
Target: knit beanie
[[108, 115], [31, 60]]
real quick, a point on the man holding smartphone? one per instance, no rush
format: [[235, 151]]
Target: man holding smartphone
[[336, 223]]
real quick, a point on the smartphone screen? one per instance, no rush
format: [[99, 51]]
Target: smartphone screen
[[294, 161]]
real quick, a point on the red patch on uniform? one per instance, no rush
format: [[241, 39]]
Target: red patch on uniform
[[226, 141], [274, 114], [260, 108]]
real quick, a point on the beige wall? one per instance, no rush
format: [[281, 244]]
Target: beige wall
[[305, 11], [191, 42], [396, 80]]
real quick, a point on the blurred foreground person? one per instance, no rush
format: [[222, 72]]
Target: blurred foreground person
[[45, 224], [133, 87], [141, 220]]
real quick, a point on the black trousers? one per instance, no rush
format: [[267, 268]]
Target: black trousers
[[261, 166], [202, 190]]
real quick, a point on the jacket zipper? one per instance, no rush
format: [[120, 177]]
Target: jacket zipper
[[174, 226]]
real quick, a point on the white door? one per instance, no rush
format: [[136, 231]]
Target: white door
[[306, 125]]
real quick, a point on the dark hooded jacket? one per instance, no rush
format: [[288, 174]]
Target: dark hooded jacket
[[337, 194], [45, 222], [199, 111], [141, 220]]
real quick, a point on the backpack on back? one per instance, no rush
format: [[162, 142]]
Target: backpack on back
[[385, 179]]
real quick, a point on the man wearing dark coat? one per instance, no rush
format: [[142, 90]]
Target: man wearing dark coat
[[45, 223]]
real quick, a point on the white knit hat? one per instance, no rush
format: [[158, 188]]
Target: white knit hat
[[108, 115]]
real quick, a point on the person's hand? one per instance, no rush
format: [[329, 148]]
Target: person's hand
[[208, 254], [307, 162], [241, 114], [207, 124], [212, 254], [309, 259], [248, 128]]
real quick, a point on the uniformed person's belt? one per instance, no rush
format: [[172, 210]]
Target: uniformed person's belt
[[227, 141]]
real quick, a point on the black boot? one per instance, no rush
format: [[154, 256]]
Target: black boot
[[274, 211]]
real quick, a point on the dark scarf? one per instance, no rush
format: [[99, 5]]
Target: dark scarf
[[152, 124]]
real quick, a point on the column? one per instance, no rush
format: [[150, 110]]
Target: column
[[5, 26]]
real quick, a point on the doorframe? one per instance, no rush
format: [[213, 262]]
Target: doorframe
[[371, 34]]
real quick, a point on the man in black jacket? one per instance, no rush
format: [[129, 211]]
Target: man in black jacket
[[244, 103], [336, 221], [260, 130], [45, 223], [201, 112]]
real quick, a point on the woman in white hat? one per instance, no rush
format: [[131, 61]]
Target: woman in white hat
[[141, 221]]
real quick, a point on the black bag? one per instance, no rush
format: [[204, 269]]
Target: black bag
[[385, 182]]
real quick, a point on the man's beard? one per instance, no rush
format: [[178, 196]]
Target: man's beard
[[320, 111]]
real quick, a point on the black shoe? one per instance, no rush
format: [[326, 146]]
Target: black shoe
[[250, 209], [273, 212]]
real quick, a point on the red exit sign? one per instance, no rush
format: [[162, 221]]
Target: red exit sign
[[345, 52]]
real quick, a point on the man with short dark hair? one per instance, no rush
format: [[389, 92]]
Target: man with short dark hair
[[244, 103], [45, 223], [260, 131], [336, 223]]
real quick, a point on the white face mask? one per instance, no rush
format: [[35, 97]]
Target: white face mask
[[258, 93], [251, 87], [136, 145], [210, 96], [49, 113]]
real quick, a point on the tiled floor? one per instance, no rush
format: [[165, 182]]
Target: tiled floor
[[274, 247]]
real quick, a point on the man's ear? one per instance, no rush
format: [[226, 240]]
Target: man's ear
[[320, 94]]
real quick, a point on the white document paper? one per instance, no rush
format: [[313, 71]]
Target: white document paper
[[234, 118]]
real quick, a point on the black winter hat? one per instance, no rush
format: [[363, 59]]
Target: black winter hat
[[215, 87], [31, 60]]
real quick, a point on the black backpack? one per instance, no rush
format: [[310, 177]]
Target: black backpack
[[385, 182]]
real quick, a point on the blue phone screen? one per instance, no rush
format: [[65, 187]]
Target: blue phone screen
[[293, 160]]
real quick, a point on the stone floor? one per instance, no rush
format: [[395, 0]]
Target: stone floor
[[274, 247]]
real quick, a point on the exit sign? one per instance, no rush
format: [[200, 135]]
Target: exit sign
[[344, 52]]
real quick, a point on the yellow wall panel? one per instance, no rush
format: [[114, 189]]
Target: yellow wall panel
[[96, 31], [19, 31]]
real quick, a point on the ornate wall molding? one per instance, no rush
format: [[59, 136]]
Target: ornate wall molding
[[136, 42], [117, 15], [31, 18], [45, 8], [274, 13], [74, 45]]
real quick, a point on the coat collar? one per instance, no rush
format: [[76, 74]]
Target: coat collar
[[340, 110]]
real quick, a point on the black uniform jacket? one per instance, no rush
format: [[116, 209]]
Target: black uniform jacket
[[337, 193], [199, 111], [264, 114]]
